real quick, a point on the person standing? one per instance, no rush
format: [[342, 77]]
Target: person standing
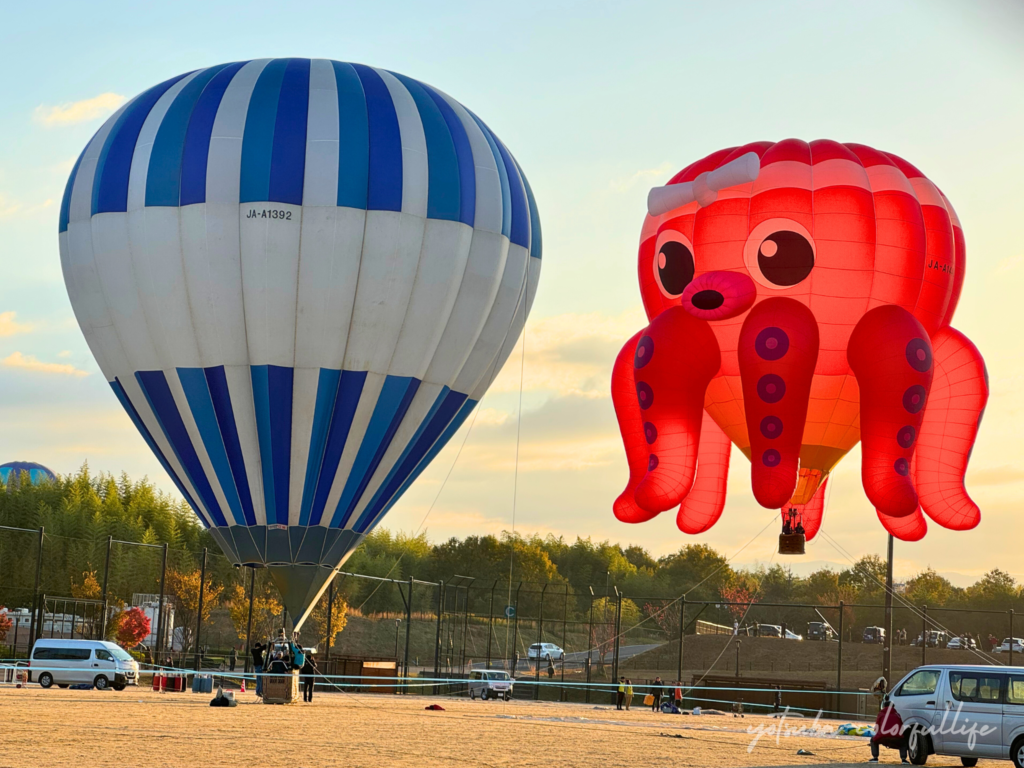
[[257, 664], [308, 678], [234, 659], [629, 693], [656, 693], [678, 694], [778, 698], [620, 695]]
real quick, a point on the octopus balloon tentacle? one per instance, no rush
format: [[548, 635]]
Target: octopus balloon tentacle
[[777, 352], [801, 294], [950, 425], [891, 355], [674, 361], [631, 427], [704, 503]]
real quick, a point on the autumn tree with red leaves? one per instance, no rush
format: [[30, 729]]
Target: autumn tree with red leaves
[[132, 627]]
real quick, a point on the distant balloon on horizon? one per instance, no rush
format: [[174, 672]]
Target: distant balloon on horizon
[[299, 277], [37, 473]]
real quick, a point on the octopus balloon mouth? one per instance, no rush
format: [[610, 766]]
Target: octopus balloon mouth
[[719, 295]]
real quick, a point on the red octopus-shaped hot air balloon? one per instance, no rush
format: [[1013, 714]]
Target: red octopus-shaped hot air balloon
[[799, 297]]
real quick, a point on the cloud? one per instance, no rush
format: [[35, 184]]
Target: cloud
[[996, 476], [64, 353], [648, 176], [78, 111], [31, 363], [570, 354], [9, 208], [11, 327], [1009, 264]]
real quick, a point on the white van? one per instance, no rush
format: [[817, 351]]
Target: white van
[[965, 711], [69, 662], [490, 684]]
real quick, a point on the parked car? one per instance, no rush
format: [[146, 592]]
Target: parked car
[[768, 630], [490, 684], [969, 712], [962, 644], [545, 651], [874, 635], [793, 636], [68, 662], [1004, 647], [936, 638], [819, 630]]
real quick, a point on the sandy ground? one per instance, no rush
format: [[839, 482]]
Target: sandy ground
[[137, 727]]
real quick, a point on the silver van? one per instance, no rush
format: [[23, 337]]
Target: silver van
[[490, 684], [964, 711], [70, 662]]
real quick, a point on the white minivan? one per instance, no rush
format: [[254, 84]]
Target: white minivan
[[964, 711], [69, 662]]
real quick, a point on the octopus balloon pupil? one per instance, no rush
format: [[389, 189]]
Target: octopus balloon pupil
[[865, 353], [785, 258], [675, 267]]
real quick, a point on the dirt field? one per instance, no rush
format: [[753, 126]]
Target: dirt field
[[142, 728]]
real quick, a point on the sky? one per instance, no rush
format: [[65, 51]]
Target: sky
[[598, 102]]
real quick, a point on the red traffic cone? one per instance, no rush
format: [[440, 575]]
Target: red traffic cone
[[242, 689]]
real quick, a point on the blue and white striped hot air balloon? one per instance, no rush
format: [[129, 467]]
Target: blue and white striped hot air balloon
[[299, 277]]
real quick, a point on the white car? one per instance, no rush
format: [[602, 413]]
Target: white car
[[793, 636], [961, 644], [963, 711], [1004, 647], [547, 651], [69, 662], [490, 684]]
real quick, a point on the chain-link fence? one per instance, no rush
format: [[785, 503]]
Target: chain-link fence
[[558, 641]]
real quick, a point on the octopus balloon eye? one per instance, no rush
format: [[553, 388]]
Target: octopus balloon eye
[[673, 268], [785, 258]]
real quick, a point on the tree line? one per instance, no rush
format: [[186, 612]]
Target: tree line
[[548, 575]]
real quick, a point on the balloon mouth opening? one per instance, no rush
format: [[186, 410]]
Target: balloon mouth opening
[[719, 295]]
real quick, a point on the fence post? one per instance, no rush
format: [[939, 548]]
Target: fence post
[[540, 641], [590, 644], [160, 610], [37, 612], [249, 623], [1010, 663], [682, 626], [106, 581], [199, 613], [924, 634], [565, 616], [408, 634], [515, 636], [839, 663], [437, 641], [616, 629], [491, 622]]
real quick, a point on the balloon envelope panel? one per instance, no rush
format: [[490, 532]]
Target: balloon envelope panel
[[299, 277]]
